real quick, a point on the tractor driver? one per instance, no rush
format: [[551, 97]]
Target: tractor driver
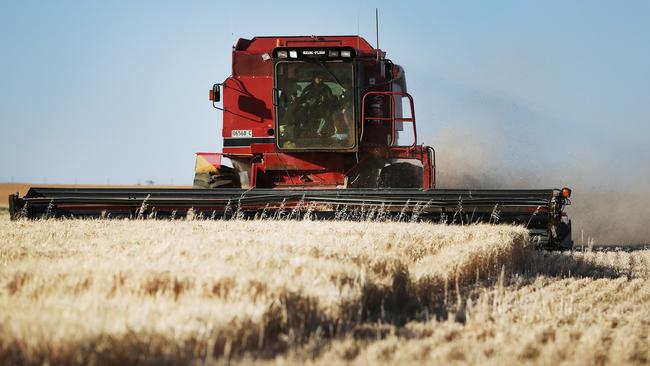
[[316, 100]]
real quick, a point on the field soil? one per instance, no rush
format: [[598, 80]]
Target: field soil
[[10, 188], [296, 292]]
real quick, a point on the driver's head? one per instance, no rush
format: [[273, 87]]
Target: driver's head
[[317, 78]]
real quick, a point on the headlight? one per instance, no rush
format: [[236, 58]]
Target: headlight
[[333, 53], [293, 54], [345, 53], [282, 54]]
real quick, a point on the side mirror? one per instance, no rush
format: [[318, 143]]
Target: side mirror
[[215, 93]]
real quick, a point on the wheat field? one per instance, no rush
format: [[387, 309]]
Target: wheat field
[[288, 292]]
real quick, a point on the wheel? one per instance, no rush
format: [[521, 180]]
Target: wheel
[[224, 177], [400, 175], [365, 175]]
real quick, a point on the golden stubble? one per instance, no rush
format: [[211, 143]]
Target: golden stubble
[[150, 291]]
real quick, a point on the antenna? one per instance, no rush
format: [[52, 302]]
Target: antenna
[[357, 30], [357, 23], [377, 25]]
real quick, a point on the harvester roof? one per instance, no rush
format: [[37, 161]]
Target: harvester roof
[[268, 43]]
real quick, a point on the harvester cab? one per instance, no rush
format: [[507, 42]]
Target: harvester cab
[[316, 112]]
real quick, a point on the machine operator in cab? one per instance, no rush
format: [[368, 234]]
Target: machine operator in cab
[[316, 101]]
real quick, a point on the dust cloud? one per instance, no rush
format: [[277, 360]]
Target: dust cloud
[[611, 197]]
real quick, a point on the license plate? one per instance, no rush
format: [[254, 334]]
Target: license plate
[[241, 133]]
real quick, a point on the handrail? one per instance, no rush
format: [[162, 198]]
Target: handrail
[[392, 117], [432, 161]]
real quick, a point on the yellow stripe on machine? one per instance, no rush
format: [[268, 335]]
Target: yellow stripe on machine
[[203, 165]]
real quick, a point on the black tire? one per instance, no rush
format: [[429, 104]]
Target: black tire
[[400, 175], [366, 175], [224, 177]]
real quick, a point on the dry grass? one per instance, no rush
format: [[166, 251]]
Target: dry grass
[[322, 292]]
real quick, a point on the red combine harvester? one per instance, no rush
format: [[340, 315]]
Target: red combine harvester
[[317, 126], [316, 112]]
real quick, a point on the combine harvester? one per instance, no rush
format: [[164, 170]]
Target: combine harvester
[[317, 126]]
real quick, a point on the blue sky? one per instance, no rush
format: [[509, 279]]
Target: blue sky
[[97, 91]]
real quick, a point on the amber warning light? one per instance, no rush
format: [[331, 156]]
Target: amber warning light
[[566, 192]]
